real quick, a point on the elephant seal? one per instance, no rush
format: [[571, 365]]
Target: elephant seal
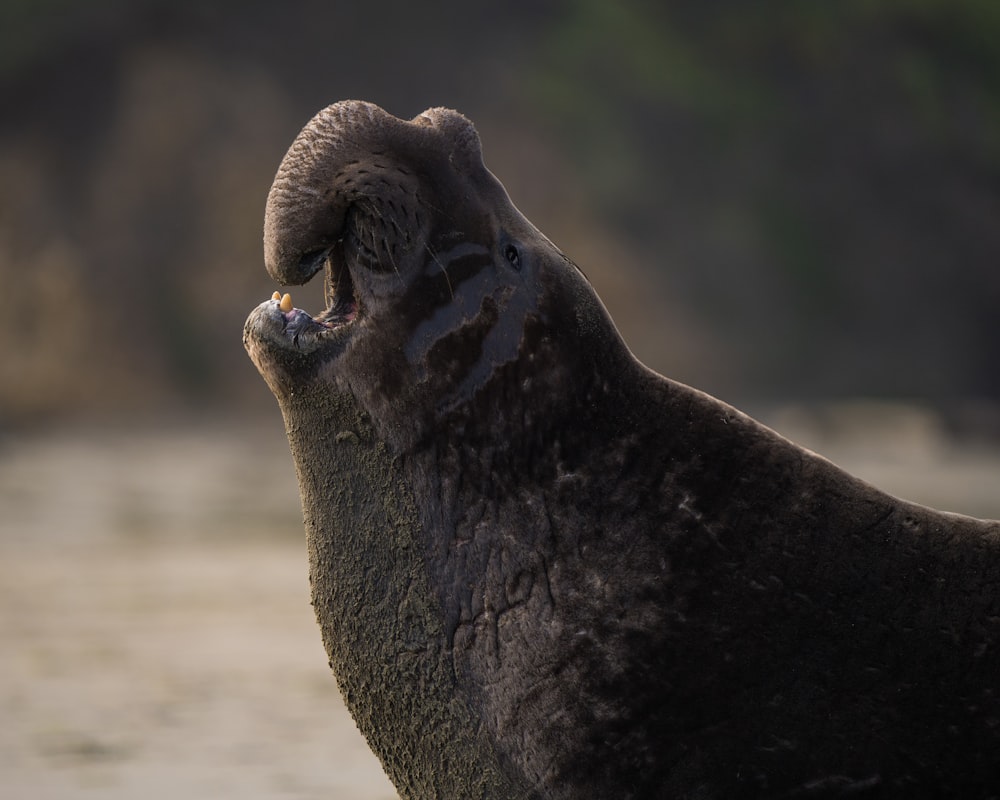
[[542, 570]]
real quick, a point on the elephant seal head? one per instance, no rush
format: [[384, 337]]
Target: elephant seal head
[[434, 280]]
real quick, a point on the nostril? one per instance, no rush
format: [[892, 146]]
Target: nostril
[[312, 262]]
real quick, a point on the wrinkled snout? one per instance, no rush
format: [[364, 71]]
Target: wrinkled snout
[[352, 170]]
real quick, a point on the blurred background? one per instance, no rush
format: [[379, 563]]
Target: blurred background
[[795, 207]]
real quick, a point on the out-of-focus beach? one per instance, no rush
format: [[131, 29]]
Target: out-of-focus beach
[[155, 624]]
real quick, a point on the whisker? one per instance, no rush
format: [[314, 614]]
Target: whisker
[[382, 248], [444, 271]]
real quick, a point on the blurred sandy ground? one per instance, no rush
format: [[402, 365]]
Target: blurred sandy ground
[[155, 626]]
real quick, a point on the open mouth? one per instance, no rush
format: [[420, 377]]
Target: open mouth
[[341, 308]]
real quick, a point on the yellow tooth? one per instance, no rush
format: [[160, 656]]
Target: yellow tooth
[[275, 296], [286, 302]]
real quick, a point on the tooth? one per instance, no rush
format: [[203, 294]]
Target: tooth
[[286, 302], [275, 296]]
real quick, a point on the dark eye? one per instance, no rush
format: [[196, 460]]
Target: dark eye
[[512, 256]]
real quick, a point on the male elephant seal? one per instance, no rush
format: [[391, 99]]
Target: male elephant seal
[[542, 570]]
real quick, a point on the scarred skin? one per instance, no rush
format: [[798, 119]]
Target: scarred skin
[[542, 570]]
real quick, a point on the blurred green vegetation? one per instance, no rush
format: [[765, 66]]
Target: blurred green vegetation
[[733, 68], [850, 150], [808, 194]]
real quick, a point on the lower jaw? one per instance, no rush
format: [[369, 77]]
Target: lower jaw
[[337, 314], [275, 336]]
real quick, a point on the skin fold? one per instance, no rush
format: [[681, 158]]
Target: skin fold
[[542, 570]]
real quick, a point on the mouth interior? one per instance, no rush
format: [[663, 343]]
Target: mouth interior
[[338, 291], [341, 303]]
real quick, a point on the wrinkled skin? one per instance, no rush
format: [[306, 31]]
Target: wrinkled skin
[[542, 570]]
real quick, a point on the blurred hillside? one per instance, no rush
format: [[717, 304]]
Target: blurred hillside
[[776, 200]]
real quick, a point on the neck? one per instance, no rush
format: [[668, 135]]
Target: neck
[[381, 625]]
